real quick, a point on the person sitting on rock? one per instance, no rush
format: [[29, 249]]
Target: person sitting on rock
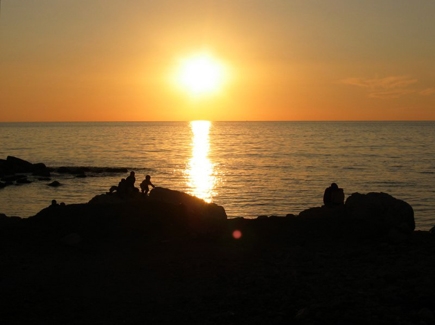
[[120, 189], [333, 196], [144, 186], [129, 182]]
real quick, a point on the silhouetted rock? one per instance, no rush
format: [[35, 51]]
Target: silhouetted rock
[[54, 184], [109, 218], [40, 169], [204, 218], [18, 165], [115, 198], [366, 215], [23, 180], [13, 165], [5, 220], [207, 220], [382, 210], [71, 170]]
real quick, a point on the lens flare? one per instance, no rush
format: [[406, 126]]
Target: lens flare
[[237, 234]]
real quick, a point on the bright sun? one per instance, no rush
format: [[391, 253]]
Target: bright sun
[[200, 74]]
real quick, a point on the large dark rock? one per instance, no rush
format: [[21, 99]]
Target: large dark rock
[[381, 210], [365, 216], [110, 217], [203, 219], [39, 169], [18, 165], [206, 219], [3, 166], [13, 165]]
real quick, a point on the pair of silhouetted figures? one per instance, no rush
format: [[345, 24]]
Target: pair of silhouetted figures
[[126, 185], [333, 196]]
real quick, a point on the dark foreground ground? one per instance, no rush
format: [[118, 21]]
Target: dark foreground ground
[[278, 272]]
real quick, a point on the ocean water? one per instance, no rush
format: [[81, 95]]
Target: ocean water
[[250, 168]]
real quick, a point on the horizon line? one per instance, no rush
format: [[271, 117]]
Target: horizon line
[[173, 121]]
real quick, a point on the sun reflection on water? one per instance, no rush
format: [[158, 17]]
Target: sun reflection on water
[[201, 180]]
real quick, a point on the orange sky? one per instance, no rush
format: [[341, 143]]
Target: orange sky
[[106, 60]]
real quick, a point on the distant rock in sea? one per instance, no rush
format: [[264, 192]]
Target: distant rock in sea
[[13, 165], [13, 170], [54, 184]]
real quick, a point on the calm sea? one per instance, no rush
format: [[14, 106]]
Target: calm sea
[[250, 168]]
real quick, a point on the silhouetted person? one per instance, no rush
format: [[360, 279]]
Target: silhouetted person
[[129, 182], [144, 186], [333, 196], [121, 188]]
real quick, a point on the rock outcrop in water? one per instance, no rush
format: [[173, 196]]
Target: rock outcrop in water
[[14, 170], [17, 171], [13, 165]]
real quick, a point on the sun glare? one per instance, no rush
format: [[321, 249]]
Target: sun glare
[[201, 74]]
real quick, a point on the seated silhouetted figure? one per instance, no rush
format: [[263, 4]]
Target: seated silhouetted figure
[[129, 182], [121, 188], [333, 196]]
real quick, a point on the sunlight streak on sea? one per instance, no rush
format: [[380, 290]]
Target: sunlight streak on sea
[[201, 180]]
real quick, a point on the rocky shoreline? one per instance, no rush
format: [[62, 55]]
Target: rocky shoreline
[[17, 171], [173, 259]]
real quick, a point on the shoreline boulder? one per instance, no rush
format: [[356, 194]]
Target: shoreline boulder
[[205, 219], [382, 210]]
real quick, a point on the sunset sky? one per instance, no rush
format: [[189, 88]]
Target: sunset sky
[[106, 60]]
